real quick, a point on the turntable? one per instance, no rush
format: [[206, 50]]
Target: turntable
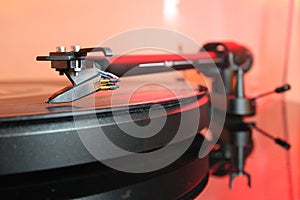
[[126, 138]]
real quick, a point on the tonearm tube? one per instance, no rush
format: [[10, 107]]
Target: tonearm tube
[[86, 71]]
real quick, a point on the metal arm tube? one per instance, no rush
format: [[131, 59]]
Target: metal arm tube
[[142, 64]]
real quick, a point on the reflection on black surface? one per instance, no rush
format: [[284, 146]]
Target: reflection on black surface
[[233, 148]]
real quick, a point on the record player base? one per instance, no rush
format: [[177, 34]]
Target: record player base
[[183, 179]]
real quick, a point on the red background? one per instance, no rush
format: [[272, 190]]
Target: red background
[[270, 28]]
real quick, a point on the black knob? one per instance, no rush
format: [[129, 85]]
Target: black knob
[[283, 88]]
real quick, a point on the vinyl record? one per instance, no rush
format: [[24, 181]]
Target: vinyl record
[[42, 140]]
